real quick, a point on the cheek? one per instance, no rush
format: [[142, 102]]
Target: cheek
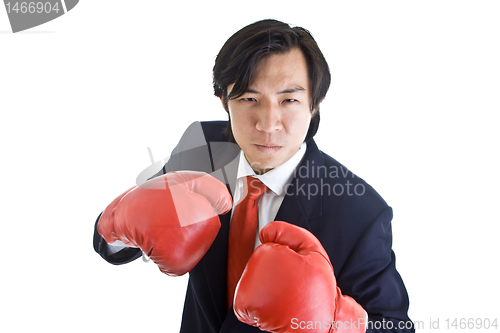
[[239, 124], [299, 122]]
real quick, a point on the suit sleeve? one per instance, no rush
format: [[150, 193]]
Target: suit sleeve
[[371, 277]]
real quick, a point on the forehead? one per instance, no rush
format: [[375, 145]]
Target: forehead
[[281, 70]]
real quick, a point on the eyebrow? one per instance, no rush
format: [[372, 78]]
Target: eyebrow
[[284, 91], [291, 90]]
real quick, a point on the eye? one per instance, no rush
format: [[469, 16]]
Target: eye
[[290, 100], [248, 99]]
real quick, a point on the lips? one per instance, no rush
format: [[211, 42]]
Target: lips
[[268, 148]]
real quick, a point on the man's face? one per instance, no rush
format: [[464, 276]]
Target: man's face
[[270, 120]]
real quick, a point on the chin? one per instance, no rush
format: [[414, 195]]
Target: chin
[[264, 165]]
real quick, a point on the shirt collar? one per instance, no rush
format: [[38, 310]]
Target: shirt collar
[[279, 177]]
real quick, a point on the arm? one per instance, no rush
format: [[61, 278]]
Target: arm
[[190, 144], [172, 218]]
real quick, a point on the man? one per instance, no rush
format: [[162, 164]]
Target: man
[[326, 267]]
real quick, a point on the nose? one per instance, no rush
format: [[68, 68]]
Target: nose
[[269, 118]]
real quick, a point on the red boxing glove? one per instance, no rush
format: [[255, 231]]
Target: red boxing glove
[[171, 218], [289, 286]]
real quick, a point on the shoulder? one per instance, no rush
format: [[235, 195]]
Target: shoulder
[[351, 194], [354, 185], [214, 131], [339, 184], [202, 147], [201, 132]]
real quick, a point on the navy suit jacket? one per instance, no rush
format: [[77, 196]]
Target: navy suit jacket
[[350, 219]]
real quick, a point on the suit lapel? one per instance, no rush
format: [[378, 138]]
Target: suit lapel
[[302, 201], [291, 211]]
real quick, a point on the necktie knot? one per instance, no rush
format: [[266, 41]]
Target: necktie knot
[[255, 188]]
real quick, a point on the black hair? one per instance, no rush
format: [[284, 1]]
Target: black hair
[[240, 55]]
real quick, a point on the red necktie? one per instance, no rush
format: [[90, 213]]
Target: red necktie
[[242, 234]]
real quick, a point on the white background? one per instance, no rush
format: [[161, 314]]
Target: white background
[[412, 109]]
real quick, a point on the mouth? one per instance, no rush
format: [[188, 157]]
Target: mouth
[[268, 148]]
